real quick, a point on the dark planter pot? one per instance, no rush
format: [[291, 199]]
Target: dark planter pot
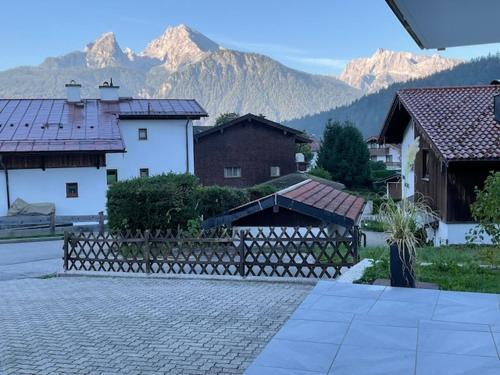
[[401, 275]]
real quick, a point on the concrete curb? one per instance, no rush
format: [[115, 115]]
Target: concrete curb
[[355, 272], [31, 239], [187, 277]]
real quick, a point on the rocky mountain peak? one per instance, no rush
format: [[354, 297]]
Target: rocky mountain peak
[[385, 67], [105, 52], [180, 45]]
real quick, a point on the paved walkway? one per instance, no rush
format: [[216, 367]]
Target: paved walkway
[[84, 325], [362, 329], [30, 259]]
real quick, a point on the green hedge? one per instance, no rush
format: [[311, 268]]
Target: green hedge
[[214, 200], [159, 202], [259, 191], [172, 201]]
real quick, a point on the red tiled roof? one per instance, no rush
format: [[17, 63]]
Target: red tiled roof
[[459, 121], [42, 125], [310, 198], [324, 197]]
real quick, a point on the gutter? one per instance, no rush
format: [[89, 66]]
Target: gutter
[[2, 165]]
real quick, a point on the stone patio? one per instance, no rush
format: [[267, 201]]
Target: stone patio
[[103, 325], [354, 329]]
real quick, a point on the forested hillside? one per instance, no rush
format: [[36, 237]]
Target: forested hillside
[[368, 112]]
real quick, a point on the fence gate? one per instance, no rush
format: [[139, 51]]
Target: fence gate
[[283, 252]]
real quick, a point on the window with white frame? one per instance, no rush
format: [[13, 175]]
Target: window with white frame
[[275, 171], [232, 172]]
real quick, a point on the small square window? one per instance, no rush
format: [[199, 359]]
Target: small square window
[[111, 176], [71, 190], [232, 172], [275, 171], [143, 134], [144, 172]]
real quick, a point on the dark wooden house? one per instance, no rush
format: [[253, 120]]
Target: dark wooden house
[[245, 151], [459, 146]]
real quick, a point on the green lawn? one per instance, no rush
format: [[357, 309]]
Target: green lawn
[[452, 268]]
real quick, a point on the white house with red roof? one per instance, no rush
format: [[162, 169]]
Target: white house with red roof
[[67, 151]]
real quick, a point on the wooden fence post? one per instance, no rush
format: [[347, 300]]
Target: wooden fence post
[[146, 251], [355, 242], [65, 248], [242, 253], [52, 223], [101, 222]]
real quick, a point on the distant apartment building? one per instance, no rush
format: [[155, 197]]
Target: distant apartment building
[[388, 153]]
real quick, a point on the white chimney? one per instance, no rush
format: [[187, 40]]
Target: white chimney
[[73, 92], [109, 92]]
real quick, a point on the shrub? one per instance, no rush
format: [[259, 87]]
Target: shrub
[[486, 210], [259, 191], [214, 200], [321, 173], [159, 202]]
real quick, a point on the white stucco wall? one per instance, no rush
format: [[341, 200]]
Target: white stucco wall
[[454, 234], [37, 185], [408, 178], [396, 154], [164, 151]]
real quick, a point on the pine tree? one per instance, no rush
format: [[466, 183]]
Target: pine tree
[[344, 154]]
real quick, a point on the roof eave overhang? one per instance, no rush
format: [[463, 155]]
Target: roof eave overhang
[[160, 117], [397, 12], [228, 218]]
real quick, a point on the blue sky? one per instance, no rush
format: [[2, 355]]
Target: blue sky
[[316, 36]]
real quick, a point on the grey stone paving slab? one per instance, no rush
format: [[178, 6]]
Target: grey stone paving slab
[[139, 326], [348, 290], [425, 324], [319, 315], [261, 370], [386, 320], [402, 310], [315, 331], [456, 342], [394, 331], [343, 304], [467, 314], [452, 364], [469, 299], [377, 336], [357, 360], [427, 296], [299, 355]]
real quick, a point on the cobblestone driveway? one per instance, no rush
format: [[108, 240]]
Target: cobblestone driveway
[[78, 325]]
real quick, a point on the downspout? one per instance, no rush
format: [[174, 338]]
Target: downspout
[[2, 164], [187, 146]]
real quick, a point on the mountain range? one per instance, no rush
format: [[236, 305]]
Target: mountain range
[[183, 63], [368, 113], [386, 67]]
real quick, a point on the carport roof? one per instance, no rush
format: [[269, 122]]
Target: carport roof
[[311, 198]]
